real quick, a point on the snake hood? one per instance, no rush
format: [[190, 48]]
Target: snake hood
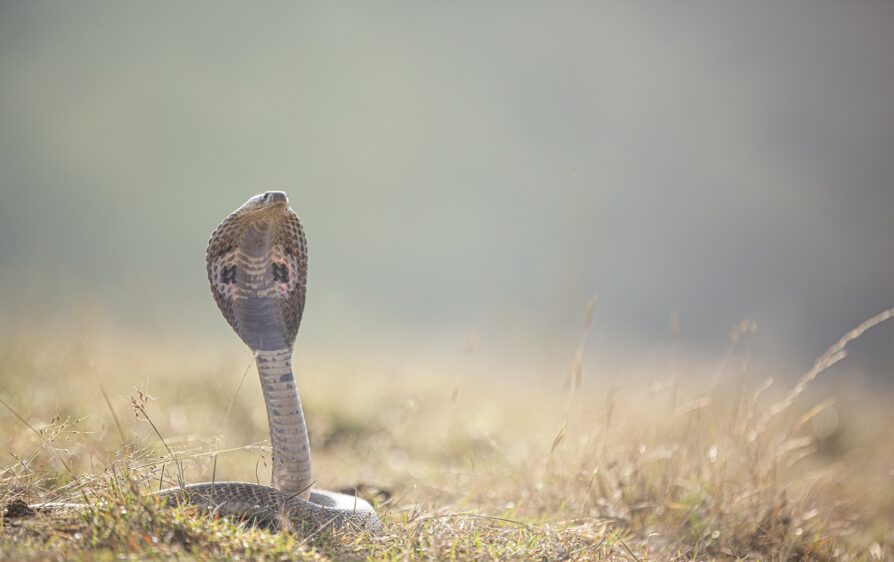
[[257, 267]]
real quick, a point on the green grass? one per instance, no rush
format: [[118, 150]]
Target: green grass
[[494, 469]]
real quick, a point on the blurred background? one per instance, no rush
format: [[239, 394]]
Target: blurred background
[[468, 174]]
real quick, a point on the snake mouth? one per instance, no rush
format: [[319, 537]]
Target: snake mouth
[[271, 210]]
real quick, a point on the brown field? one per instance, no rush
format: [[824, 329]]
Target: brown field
[[461, 466]]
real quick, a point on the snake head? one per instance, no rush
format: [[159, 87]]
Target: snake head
[[264, 203]]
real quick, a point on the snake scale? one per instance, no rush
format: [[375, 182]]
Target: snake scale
[[257, 268]]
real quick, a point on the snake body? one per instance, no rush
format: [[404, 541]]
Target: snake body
[[257, 267]]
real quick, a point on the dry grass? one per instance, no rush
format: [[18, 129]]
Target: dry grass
[[495, 469]]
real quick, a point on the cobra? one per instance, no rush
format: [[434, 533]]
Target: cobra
[[257, 267]]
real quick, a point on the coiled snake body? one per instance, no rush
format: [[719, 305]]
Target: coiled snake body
[[257, 268]]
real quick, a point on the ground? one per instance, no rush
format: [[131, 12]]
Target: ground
[[571, 466]]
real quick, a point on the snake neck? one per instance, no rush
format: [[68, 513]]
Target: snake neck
[[288, 430]]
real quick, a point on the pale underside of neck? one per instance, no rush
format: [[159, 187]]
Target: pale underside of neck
[[288, 430]]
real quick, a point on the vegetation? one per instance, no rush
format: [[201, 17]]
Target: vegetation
[[492, 469]]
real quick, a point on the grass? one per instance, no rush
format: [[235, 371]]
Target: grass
[[497, 469]]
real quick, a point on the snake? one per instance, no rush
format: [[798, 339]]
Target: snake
[[257, 268]]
